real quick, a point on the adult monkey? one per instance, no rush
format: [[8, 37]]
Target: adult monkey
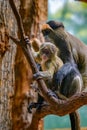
[[71, 51], [47, 58]]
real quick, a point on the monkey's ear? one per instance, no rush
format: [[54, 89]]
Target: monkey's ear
[[55, 24], [45, 27]]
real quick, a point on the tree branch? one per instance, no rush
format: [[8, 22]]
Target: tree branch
[[14, 40], [18, 18], [64, 107], [56, 106], [27, 51]]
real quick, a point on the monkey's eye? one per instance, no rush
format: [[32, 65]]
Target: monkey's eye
[[45, 32], [45, 52]]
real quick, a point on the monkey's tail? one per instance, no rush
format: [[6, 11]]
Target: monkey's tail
[[75, 120]]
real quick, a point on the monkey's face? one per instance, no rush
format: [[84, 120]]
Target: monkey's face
[[48, 51], [51, 25], [45, 54], [46, 29], [49, 28]]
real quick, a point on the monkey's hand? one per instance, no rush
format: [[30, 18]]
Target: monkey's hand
[[37, 76], [45, 75], [26, 39], [33, 105]]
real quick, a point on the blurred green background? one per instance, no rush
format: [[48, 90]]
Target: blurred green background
[[74, 16]]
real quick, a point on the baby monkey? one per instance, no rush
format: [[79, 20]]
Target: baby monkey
[[50, 63]]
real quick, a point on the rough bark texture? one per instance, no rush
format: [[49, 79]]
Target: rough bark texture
[[55, 106], [32, 13], [16, 94], [7, 54]]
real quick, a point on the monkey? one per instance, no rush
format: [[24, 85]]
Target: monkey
[[47, 57], [50, 63], [69, 67], [71, 76], [35, 44]]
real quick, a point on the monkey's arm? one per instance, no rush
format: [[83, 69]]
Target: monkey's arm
[[35, 45], [46, 75]]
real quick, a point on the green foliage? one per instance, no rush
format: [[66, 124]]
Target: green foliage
[[74, 16]]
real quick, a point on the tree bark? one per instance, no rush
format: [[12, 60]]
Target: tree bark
[[52, 101], [7, 54], [32, 13], [15, 92], [15, 95]]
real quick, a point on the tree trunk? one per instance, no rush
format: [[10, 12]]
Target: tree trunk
[[32, 13], [15, 92], [7, 54]]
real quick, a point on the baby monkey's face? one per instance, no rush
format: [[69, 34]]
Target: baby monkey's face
[[48, 51], [45, 54]]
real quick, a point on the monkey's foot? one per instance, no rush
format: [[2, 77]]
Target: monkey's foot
[[26, 39], [31, 105], [50, 93], [34, 105], [37, 76]]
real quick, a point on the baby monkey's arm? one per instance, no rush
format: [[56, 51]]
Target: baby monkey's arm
[[46, 75]]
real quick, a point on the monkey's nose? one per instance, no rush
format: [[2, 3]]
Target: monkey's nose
[[44, 57]]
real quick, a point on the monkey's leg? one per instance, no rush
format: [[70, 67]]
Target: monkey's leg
[[75, 120], [71, 85], [32, 105], [74, 88], [36, 105], [61, 96], [74, 117]]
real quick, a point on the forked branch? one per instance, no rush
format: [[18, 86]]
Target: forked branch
[[56, 106], [27, 51]]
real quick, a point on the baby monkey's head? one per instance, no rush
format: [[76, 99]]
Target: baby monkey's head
[[48, 51]]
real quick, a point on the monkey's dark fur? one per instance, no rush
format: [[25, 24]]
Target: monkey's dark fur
[[68, 77], [70, 52]]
